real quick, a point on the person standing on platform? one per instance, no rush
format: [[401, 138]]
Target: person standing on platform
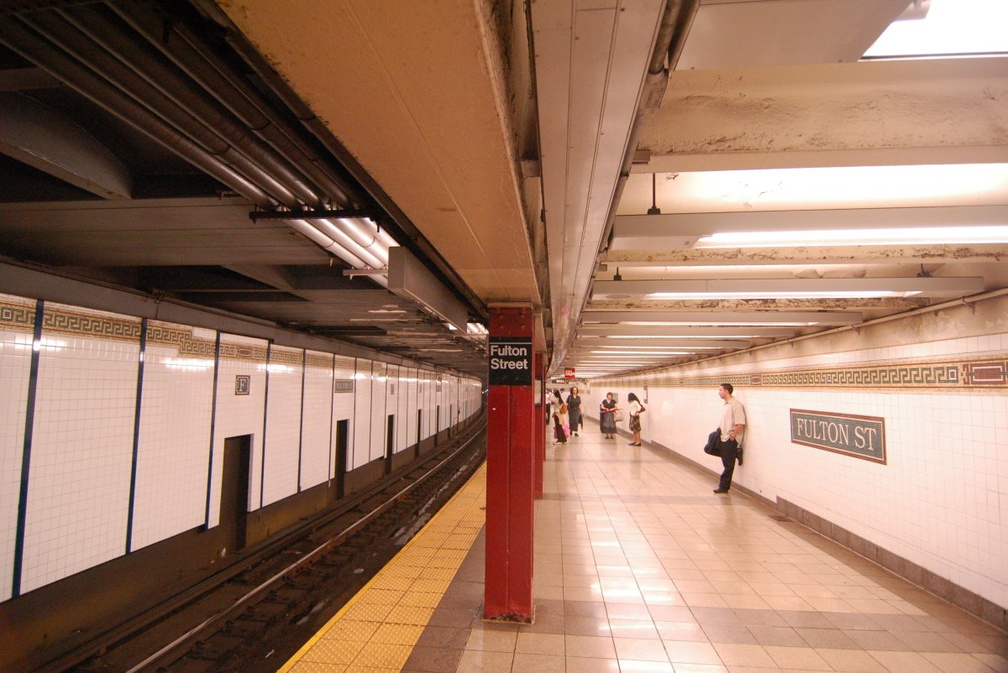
[[559, 418], [574, 410], [732, 427], [607, 416], [636, 409]]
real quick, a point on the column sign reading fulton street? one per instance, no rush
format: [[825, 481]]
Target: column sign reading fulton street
[[858, 436], [510, 361]]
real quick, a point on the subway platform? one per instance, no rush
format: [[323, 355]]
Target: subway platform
[[639, 568]]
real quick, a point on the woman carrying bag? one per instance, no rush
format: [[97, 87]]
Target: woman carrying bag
[[607, 416]]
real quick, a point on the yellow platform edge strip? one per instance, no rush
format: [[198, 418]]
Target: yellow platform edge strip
[[480, 474]]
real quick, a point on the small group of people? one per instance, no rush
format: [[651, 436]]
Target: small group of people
[[565, 414], [728, 435], [607, 417], [567, 420]]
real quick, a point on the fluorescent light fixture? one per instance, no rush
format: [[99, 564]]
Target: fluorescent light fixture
[[646, 350], [950, 28], [410, 279], [637, 340], [885, 189], [848, 237], [837, 294]]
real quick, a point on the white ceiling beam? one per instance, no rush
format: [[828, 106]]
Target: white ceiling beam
[[933, 112], [784, 32], [684, 332], [679, 230], [724, 317], [848, 254], [782, 287], [595, 342]]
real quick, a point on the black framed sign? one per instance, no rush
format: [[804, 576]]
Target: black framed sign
[[510, 361]]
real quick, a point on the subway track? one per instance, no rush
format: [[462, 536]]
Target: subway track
[[254, 614]]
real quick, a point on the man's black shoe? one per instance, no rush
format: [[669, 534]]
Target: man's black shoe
[[720, 490]]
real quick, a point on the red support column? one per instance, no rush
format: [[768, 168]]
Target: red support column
[[511, 463], [540, 421]]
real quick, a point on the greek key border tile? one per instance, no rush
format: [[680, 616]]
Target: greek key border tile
[[180, 337], [985, 373], [90, 325], [17, 316]]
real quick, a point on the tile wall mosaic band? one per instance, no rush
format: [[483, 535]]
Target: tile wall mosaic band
[[165, 334], [17, 315], [319, 361], [95, 325], [986, 373], [286, 356], [230, 351]]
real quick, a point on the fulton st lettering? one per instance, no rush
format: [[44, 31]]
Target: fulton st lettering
[[860, 436], [511, 362]]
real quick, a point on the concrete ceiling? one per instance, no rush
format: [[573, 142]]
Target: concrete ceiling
[[513, 149]]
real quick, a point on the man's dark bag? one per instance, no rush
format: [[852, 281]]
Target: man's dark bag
[[713, 446]]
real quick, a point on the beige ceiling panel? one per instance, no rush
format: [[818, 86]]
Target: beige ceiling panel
[[415, 94]]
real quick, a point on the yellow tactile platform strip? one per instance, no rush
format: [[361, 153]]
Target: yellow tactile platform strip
[[378, 628]]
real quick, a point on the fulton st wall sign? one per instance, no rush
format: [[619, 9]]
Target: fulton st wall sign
[[510, 361], [858, 436]]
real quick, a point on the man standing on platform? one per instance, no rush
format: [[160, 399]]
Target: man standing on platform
[[732, 427]]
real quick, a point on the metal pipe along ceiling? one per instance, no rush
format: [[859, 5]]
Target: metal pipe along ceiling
[[28, 44], [219, 77], [120, 70], [219, 135]]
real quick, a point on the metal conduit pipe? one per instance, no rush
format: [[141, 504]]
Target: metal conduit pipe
[[219, 78], [413, 238], [364, 233], [175, 87], [80, 47], [25, 42], [323, 241], [341, 237]]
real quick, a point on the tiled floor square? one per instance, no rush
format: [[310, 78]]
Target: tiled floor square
[[641, 570]]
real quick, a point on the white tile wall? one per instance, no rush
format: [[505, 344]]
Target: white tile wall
[[282, 446], [406, 411], [343, 409], [82, 451], [941, 501], [238, 415], [316, 428], [77, 507], [174, 441], [360, 451], [15, 369], [379, 410], [425, 391]]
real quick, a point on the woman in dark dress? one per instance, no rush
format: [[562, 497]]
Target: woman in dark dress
[[607, 416], [574, 410]]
